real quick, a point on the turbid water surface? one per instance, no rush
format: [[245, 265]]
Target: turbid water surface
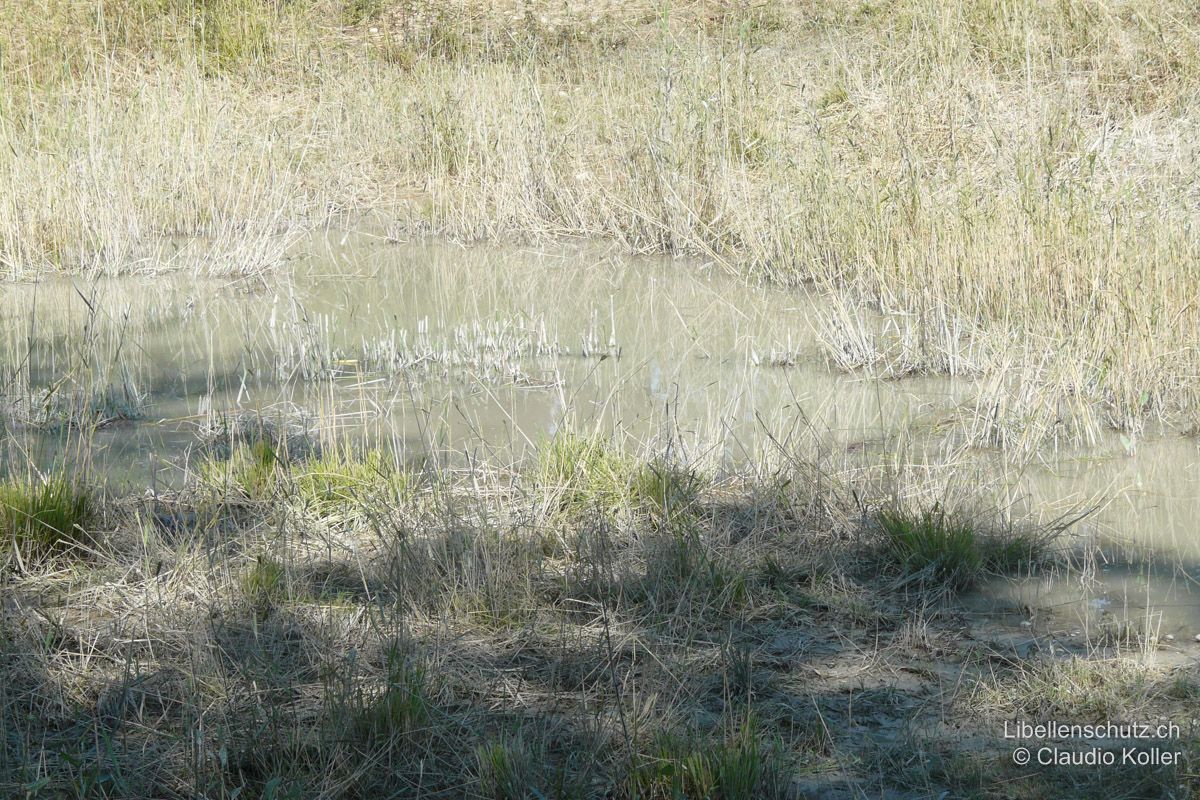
[[480, 353]]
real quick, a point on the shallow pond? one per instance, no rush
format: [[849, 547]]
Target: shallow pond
[[480, 353]]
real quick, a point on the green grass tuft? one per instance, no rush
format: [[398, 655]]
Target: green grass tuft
[[930, 542], [404, 706], [740, 768], [951, 550], [43, 516], [264, 583], [580, 473], [252, 470], [508, 770], [337, 482], [355, 12], [664, 489], [231, 34]]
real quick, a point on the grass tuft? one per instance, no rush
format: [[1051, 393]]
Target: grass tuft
[[252, 471], [950, 550], [685, 768], [579, 473], [1069, 690], [508, 770], [41, 516], [404, 706], [335, 483], [929, 542], [264, 582], [664, 489]]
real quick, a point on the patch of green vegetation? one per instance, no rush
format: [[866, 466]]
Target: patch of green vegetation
[[752, 21], [833, 97], [929, 542], [356, 12], [231, 33], [42, 516], [330, 484], [950, 550], [336, 482], [664, 489], [749, 145], [252, 470], [686, 768], [222, 35], [509, 770], [581, 473], [404, 706], [264, 583]]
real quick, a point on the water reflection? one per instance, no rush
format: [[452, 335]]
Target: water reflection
[[482, 352]]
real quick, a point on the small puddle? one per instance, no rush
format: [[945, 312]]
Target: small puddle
[[480, 353]]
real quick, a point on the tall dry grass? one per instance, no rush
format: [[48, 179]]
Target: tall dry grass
[[1014, 182]]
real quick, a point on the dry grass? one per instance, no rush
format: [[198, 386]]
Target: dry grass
[[999, 191], [1000, 181], [332, 632]]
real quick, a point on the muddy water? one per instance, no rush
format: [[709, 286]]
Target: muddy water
[[481, 353], [435, 347]]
